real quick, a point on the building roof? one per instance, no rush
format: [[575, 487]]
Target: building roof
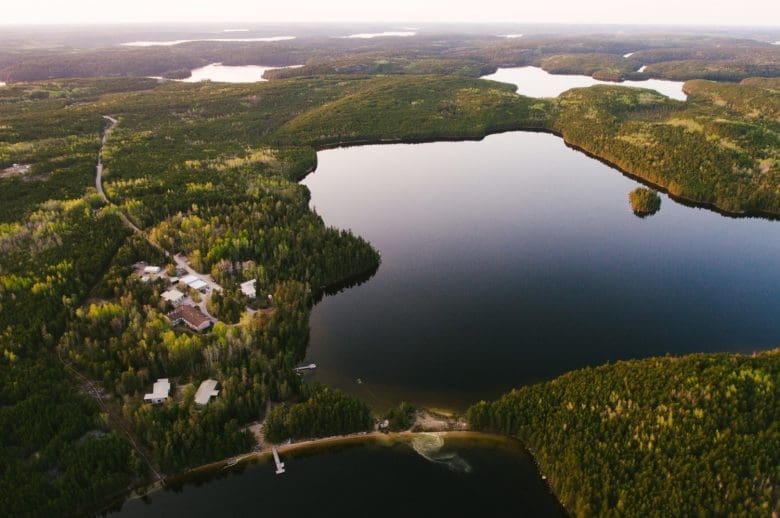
[[206, 391], [160, 390], [172, 295], [152, 269], [188, 278], [197, 284], [248, 288], [190, 315]]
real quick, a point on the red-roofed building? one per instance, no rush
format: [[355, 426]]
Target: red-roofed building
[[190, 316]]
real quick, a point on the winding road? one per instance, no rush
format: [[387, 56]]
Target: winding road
[[99, 186]]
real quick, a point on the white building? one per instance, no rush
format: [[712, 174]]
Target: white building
[[206, 391], [199, 285], [160, 391], [152, 270], [187, 279], [196, 284], [248, 288], [173, 296]]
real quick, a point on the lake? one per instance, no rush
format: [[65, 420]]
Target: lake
[[169, 43], [465, 478], [535, 82], [515, 259], [386, 34], [229, 74]]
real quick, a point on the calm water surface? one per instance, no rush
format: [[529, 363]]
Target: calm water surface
[[227, 74], [478, 479], [515, 259], [169, 43], [535, 82]]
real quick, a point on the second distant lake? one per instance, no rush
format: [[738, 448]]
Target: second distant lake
[[535, 82], [220, 73]]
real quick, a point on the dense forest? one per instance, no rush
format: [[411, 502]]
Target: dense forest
[[691, 436], [679, 55], [325, 412], [211, 171]]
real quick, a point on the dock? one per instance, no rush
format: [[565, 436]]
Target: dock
[[279, 463], [309, 367]]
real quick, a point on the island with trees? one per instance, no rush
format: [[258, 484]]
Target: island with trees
[[644, 201]]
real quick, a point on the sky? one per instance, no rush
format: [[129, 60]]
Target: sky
[[696, 12]]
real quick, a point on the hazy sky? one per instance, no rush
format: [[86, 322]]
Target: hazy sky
[[703, 12]]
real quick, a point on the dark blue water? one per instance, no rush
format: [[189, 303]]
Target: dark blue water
[[490, 479], [515, 259]]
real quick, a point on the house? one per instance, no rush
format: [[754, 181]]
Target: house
[[201, 286], [248, 288], [160, 391], [173, 296], [187, 279], [196, 284], [189, 316], [152, 270], [206, 391]]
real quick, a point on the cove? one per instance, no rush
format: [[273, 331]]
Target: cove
[[372, 478], [515, 259]]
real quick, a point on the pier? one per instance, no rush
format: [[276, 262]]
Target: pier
[[309, 367], [279, 463]]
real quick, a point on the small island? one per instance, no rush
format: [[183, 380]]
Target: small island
[[644, 201]]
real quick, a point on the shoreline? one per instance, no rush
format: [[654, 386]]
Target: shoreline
[[636, 176], [321, 444]]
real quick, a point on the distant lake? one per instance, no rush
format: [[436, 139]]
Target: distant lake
[[535, 82], [169, 43], [474, 479], [515, 259], [386, 34], [218, 72]]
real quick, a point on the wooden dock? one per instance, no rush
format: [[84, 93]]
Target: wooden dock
[[279, 463]]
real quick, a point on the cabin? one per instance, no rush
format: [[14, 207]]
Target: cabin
[[206, 390], [190, 316], [160, 391], [248, 288], [196, 284], [173, 296]]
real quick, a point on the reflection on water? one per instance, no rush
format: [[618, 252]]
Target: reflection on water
[[535, 82], [515, 259]]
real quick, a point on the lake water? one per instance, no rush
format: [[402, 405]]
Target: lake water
[[169, 43], [535, 82], [516, 259], [468, 479], [228, 74], [386, 34]]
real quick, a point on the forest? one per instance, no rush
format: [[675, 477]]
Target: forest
[[211, 171], [690, 436]]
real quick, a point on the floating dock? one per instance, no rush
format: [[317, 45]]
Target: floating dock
[[279, 463], [309, 367]]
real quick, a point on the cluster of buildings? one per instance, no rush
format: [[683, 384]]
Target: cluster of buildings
[[162, 388]]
